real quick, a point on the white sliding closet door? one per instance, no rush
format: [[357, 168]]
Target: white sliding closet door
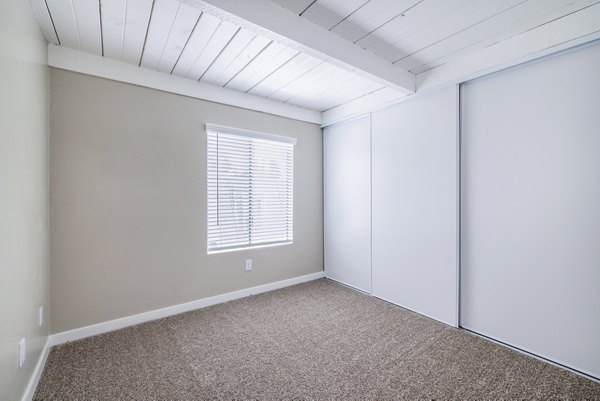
[[530, 228], [347, 203], [415, 212]]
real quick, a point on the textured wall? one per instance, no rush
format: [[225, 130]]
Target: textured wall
[[128, 201], [24, 269]]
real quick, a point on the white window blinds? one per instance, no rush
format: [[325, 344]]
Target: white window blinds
[[250, 188]]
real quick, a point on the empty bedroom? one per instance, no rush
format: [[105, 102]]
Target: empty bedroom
[[299, 200]]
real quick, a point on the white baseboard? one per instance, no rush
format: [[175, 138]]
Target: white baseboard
[[37, 371], [112, 325]]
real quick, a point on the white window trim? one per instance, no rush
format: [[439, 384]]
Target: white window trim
[[251, 134]]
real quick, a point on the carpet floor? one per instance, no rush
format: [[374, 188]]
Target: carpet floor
[[313, 341]]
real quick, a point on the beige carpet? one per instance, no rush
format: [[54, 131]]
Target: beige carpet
[[314, 341]]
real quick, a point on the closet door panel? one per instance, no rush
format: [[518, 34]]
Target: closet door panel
[[347, 203], [415, 212], [530, 229]]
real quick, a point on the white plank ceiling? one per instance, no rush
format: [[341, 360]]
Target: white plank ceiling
[[420, 35], [176, 38]]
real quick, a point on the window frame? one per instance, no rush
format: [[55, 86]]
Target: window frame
[[261, 137]]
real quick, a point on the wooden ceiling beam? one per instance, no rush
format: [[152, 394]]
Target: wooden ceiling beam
[[269, 19]]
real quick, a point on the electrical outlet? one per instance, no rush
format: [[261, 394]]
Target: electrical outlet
[[41, 316], [248, 264], [21, 352]]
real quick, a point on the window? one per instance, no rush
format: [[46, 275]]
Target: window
[[250, 188]]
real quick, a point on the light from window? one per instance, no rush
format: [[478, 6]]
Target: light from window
[[250, 188]]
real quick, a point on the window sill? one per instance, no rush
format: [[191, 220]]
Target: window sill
[[247, 248]]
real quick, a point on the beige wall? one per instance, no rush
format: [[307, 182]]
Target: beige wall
[[23, 193], [128, 201]]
